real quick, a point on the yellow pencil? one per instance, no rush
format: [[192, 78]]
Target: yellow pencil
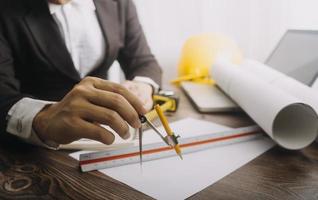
[[165, 124]]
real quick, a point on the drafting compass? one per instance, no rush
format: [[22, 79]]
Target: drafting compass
[[170, 139]]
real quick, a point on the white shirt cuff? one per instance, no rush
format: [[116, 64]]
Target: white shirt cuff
[[149, 81], [20, 119]]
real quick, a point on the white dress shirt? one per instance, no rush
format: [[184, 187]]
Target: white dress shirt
[[79, 26]]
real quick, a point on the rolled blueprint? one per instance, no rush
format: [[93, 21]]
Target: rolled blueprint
[[289, 121], [284, 82]]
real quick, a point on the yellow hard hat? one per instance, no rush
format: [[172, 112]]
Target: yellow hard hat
[[199, 53]]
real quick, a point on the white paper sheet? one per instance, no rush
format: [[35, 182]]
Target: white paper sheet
[[171, 178], [290, 121], [315, 85]]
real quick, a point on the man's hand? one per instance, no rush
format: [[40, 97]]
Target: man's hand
[[90, 103], [142, 90]]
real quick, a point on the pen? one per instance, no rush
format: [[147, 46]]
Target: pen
[[165, 124]]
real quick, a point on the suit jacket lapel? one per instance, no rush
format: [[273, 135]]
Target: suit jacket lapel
[[107, 13], [49, 39]]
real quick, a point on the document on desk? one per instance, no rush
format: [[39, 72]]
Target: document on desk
[[172, 178]]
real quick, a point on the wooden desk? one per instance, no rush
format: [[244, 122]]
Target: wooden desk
[[34, 173]]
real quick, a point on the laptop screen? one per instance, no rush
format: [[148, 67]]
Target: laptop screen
[[296, 55]]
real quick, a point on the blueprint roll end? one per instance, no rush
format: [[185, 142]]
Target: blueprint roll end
[[295, 126]]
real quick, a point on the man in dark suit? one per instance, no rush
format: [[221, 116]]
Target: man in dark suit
[[54, 58]]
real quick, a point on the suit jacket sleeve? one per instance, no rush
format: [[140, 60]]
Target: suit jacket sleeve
[[9, 85], [135, 57]]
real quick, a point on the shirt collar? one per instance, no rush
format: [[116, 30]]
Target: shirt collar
[[54, 8], [85, 4]]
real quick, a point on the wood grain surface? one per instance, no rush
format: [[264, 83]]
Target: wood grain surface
[[28, 172]]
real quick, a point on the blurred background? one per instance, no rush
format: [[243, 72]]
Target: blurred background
[[256, 25]]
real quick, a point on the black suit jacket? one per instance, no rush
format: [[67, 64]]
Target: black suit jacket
[[34, 61]]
